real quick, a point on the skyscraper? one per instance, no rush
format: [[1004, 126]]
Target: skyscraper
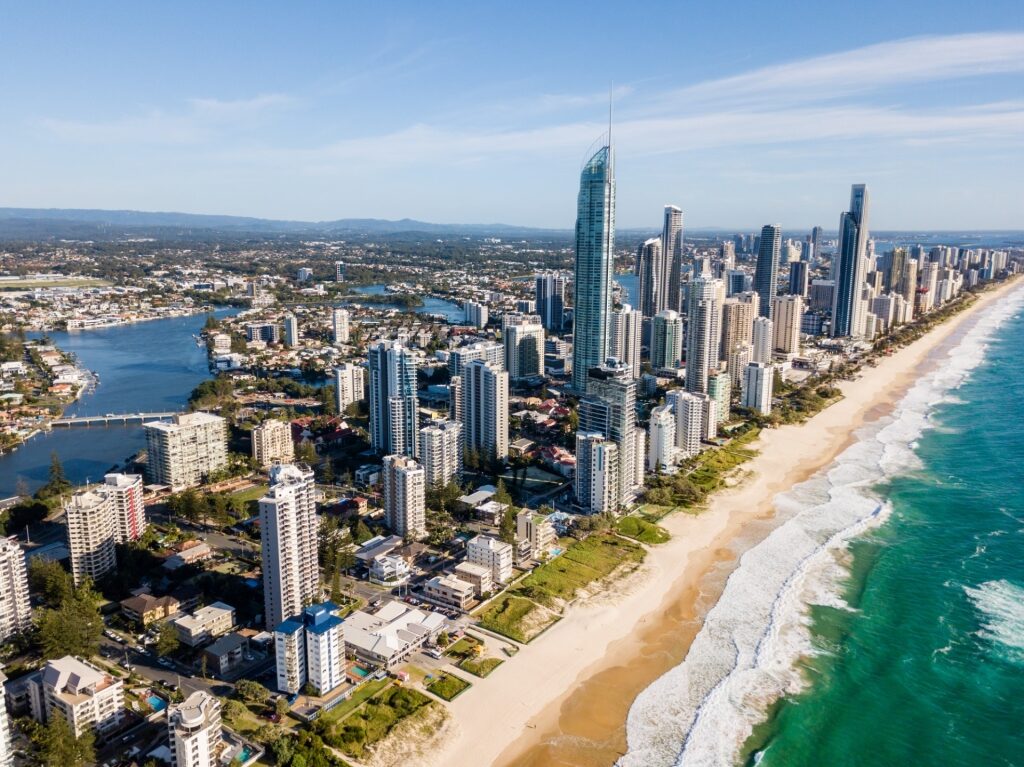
[[291, 330], [339, 325], [595, 242], [661, 444], [524, 348], [441, 451], [788, 313], [15, 610], [672, 250], [485, 410], [182, 452], [763, 336], [92, 534], [598, 472], [667, 340], [799, 278], [814, 256], [125, 492], [549, 289], [624, 337], [702, 328], [405, 486], [766, 273], [652, 275], [757, 387], [288, 529], [848, 309], [737, 324], [609, 409], [349, 385], [392, 371]]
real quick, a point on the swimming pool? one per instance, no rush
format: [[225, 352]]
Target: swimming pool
[[156, 702], [245, 755], [360, 671]]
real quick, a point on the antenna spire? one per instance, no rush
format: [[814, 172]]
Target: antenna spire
[[611, 91]]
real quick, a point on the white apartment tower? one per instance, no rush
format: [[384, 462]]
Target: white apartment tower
[[194, 731], [625, 327], [84, 695], [291, 330], [761, 347], [493, 554], [485, 410], [405, 485], [349, 385], [181, 453], [661, 443], [757, 387], [125, 492], [441, 452], [310, 648], [392, 390], [340, 325], [524, 348], [597, 473], [609, 408], [272, 443], [689, 411], [92, 534], [787, 314], [15, 610], [288, 524]]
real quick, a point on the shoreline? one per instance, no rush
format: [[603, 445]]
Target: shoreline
[[567, 699]]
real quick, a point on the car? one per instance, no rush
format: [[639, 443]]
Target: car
[[165, 662]]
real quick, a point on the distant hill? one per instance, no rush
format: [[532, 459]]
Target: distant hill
[[73, 222]]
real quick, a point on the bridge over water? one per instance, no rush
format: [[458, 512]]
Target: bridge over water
[[96, 420]]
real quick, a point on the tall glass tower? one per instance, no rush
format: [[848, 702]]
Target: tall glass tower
[[595, 242], [851, 266], [766, 273]]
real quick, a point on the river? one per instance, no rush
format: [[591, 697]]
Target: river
[[145, 367], [431, 305]]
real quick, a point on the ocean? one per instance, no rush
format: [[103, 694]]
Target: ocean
[[882, 621]]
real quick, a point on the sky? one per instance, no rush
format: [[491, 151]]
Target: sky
[[741, 113]]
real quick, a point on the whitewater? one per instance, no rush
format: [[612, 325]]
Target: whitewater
[[745, 656]]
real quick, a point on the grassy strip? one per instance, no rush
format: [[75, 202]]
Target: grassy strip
[[365, 691], [506, 614], [360, 730], [448, 686], [481, 667], [583, 563], [641, 530]]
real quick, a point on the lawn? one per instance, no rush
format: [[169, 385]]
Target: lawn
[[641, 530], [505, 616], [365, 691], [480, 667], [580, 565], [375, 720], [244, 501], [448, 686]]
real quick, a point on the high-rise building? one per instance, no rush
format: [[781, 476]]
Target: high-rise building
[[703, 329], [550, 294], [405, 486], [349, 385], [496, 556], [739, 358], [183, 452], [848, 308], [720, 390], [524, 348], [194, 731], [667, 340], [488, 351], [392, 385], [737, 324], [340, 330], [291, 330], [597, 473], [689, 412], [624, 337], [339, 271], [485, 410], [788, 313], [894, 274], [92, 534], [125, 493], [477, 314], [272, 443], [310, 649], [672, 248], [595, 244], [661, 442], [288, 529], [766, 273], [441, 452], [762, 339], [609, 409], [814, 254], [799, 278], [15, 610], [652, 277], [758, 380]]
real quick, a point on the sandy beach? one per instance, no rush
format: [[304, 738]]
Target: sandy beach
[[563, 700]]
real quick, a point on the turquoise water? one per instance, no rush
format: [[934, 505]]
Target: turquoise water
[[157, 703], [881, 622], [928, 668], [359, 671]]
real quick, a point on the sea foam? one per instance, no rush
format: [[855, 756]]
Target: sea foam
[[1001, 604], [744, 657]]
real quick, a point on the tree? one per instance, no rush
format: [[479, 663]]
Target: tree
[[72, 628], [507, 528], [234, 710], [305, 452], [167, 642], [57, 483], [252, 692], [50, 581], [61, 747], [281, 706]]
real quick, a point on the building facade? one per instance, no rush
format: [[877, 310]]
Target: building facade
[[405, 486], [272, 443], [183, 452]]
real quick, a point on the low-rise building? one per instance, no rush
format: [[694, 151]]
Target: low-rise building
[[227, 653], [476, 575], [448, 591], [145, 609], [390, 570], [78, 691], [387, 637], [538, 531], [205, 624]]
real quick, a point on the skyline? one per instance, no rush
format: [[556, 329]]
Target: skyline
[[460, 118]]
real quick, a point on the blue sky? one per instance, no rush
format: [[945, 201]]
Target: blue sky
[[743, 113]]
